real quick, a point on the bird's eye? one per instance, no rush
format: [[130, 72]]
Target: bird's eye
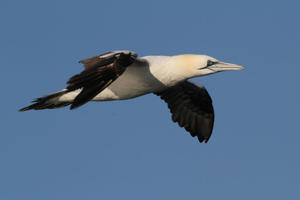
[[210, 63]]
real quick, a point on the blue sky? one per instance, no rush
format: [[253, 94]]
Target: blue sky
[[132, 149]]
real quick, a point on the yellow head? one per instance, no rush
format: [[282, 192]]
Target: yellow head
[[192, 65]]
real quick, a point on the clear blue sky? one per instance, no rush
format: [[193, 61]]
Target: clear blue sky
[[132, 149]]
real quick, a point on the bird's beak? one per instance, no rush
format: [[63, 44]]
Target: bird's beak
[[222, 66]]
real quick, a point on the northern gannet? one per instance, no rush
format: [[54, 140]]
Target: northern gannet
[[119, 75]]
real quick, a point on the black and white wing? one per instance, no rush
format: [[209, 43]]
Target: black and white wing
[[100, 71], [191, 107]]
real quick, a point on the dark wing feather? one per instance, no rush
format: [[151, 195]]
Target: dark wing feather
[[191, 107], [104, 59], [100, 71]]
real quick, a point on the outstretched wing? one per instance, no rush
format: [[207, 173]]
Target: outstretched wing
[[100, 71], [191, 107]]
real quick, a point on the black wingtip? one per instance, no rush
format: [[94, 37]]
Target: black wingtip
[[30, 107], [24, 109]]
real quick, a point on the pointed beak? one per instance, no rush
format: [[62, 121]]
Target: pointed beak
[[222, 66]]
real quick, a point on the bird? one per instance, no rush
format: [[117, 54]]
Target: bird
[[121, 74]]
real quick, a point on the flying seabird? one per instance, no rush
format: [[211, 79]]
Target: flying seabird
[[119, 75]]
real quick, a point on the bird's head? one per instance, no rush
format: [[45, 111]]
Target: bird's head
[[201, 65]]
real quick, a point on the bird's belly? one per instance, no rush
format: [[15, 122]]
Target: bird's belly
[[111, 93], [134, 82]]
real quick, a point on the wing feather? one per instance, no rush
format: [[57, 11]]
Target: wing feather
[[191, 107]]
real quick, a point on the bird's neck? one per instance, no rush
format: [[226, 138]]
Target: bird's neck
[[168, 69]]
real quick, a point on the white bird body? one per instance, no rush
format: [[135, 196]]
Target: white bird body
[[140, 78], [121, 75]]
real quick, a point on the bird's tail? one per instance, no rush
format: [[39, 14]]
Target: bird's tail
[[50, 101]]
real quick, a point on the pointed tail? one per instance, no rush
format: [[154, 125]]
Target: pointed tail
[[50, 101]]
